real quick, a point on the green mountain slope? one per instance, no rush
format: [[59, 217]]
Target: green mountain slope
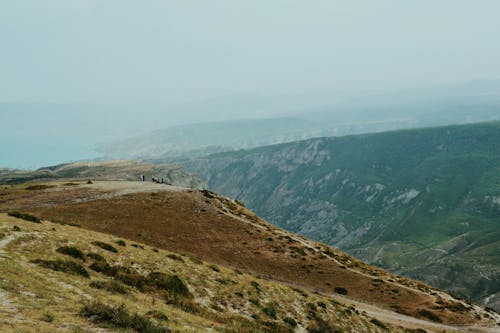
[[424, 203]]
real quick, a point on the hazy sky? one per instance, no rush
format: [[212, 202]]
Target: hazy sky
[[115, 67], [120, 51]]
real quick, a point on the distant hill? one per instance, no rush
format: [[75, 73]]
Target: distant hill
[[304, 117], [157, 258], [424, 203], [109, 170]]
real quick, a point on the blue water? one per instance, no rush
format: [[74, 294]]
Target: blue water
[[32, 151]]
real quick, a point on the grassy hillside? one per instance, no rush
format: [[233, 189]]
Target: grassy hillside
[[143, 289], [424, 202], [202, 260]]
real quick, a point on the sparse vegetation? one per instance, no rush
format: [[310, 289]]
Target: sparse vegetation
[[158, 315], [95, 256], [109, 285], [119, 317], [290, 321], [72, 251], [66, 266], [24, 216], [378, 323], [270, 310], [105, 246], [121, 242], [47, 317], [39, 187], [175, 257], [424, 313], [172, 284]]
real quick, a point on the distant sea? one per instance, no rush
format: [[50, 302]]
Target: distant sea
[[28, 151]]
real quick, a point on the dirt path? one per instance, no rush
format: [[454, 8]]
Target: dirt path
[[6, 304]]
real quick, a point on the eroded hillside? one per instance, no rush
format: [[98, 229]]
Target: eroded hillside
[[422, 203]]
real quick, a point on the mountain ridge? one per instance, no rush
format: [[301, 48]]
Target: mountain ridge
[[381, 195]]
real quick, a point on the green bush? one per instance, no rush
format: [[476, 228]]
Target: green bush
[[96, 256], [66, 266], [172, 284], [270, 310], [119, 317], [290, 321], [72, 251], [24, 216], [105, 246], [121, 242]]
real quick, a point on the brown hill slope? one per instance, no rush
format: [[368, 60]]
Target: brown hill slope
[[219, 230]]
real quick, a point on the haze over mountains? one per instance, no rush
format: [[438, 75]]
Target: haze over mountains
[[461, 103]]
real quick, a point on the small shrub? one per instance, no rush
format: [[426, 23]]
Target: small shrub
[[24, 216], [111, 285], [256, 285], [270, 310], [121, 242], [65, 266], [72, 252], [290, 321], [132, 279], [137, 246], [16, 228], [105, 246], [95, 256], [429, 315], [175, 257], [172, 284], [378, 323], [119, 317], [215, 268], [207, 194], [39, 187], [104, 268], [340, 290], [321, 305], [158, 315]]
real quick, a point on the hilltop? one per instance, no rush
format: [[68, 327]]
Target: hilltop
[[106, 170], [231, 261], [422, 203]]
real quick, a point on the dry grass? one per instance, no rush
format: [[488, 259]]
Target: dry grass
[[44, 300]]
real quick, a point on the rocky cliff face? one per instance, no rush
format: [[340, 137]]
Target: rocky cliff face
[[424, 203]]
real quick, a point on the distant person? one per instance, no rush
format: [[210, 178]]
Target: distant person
[[162, 181], [143, 178]]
